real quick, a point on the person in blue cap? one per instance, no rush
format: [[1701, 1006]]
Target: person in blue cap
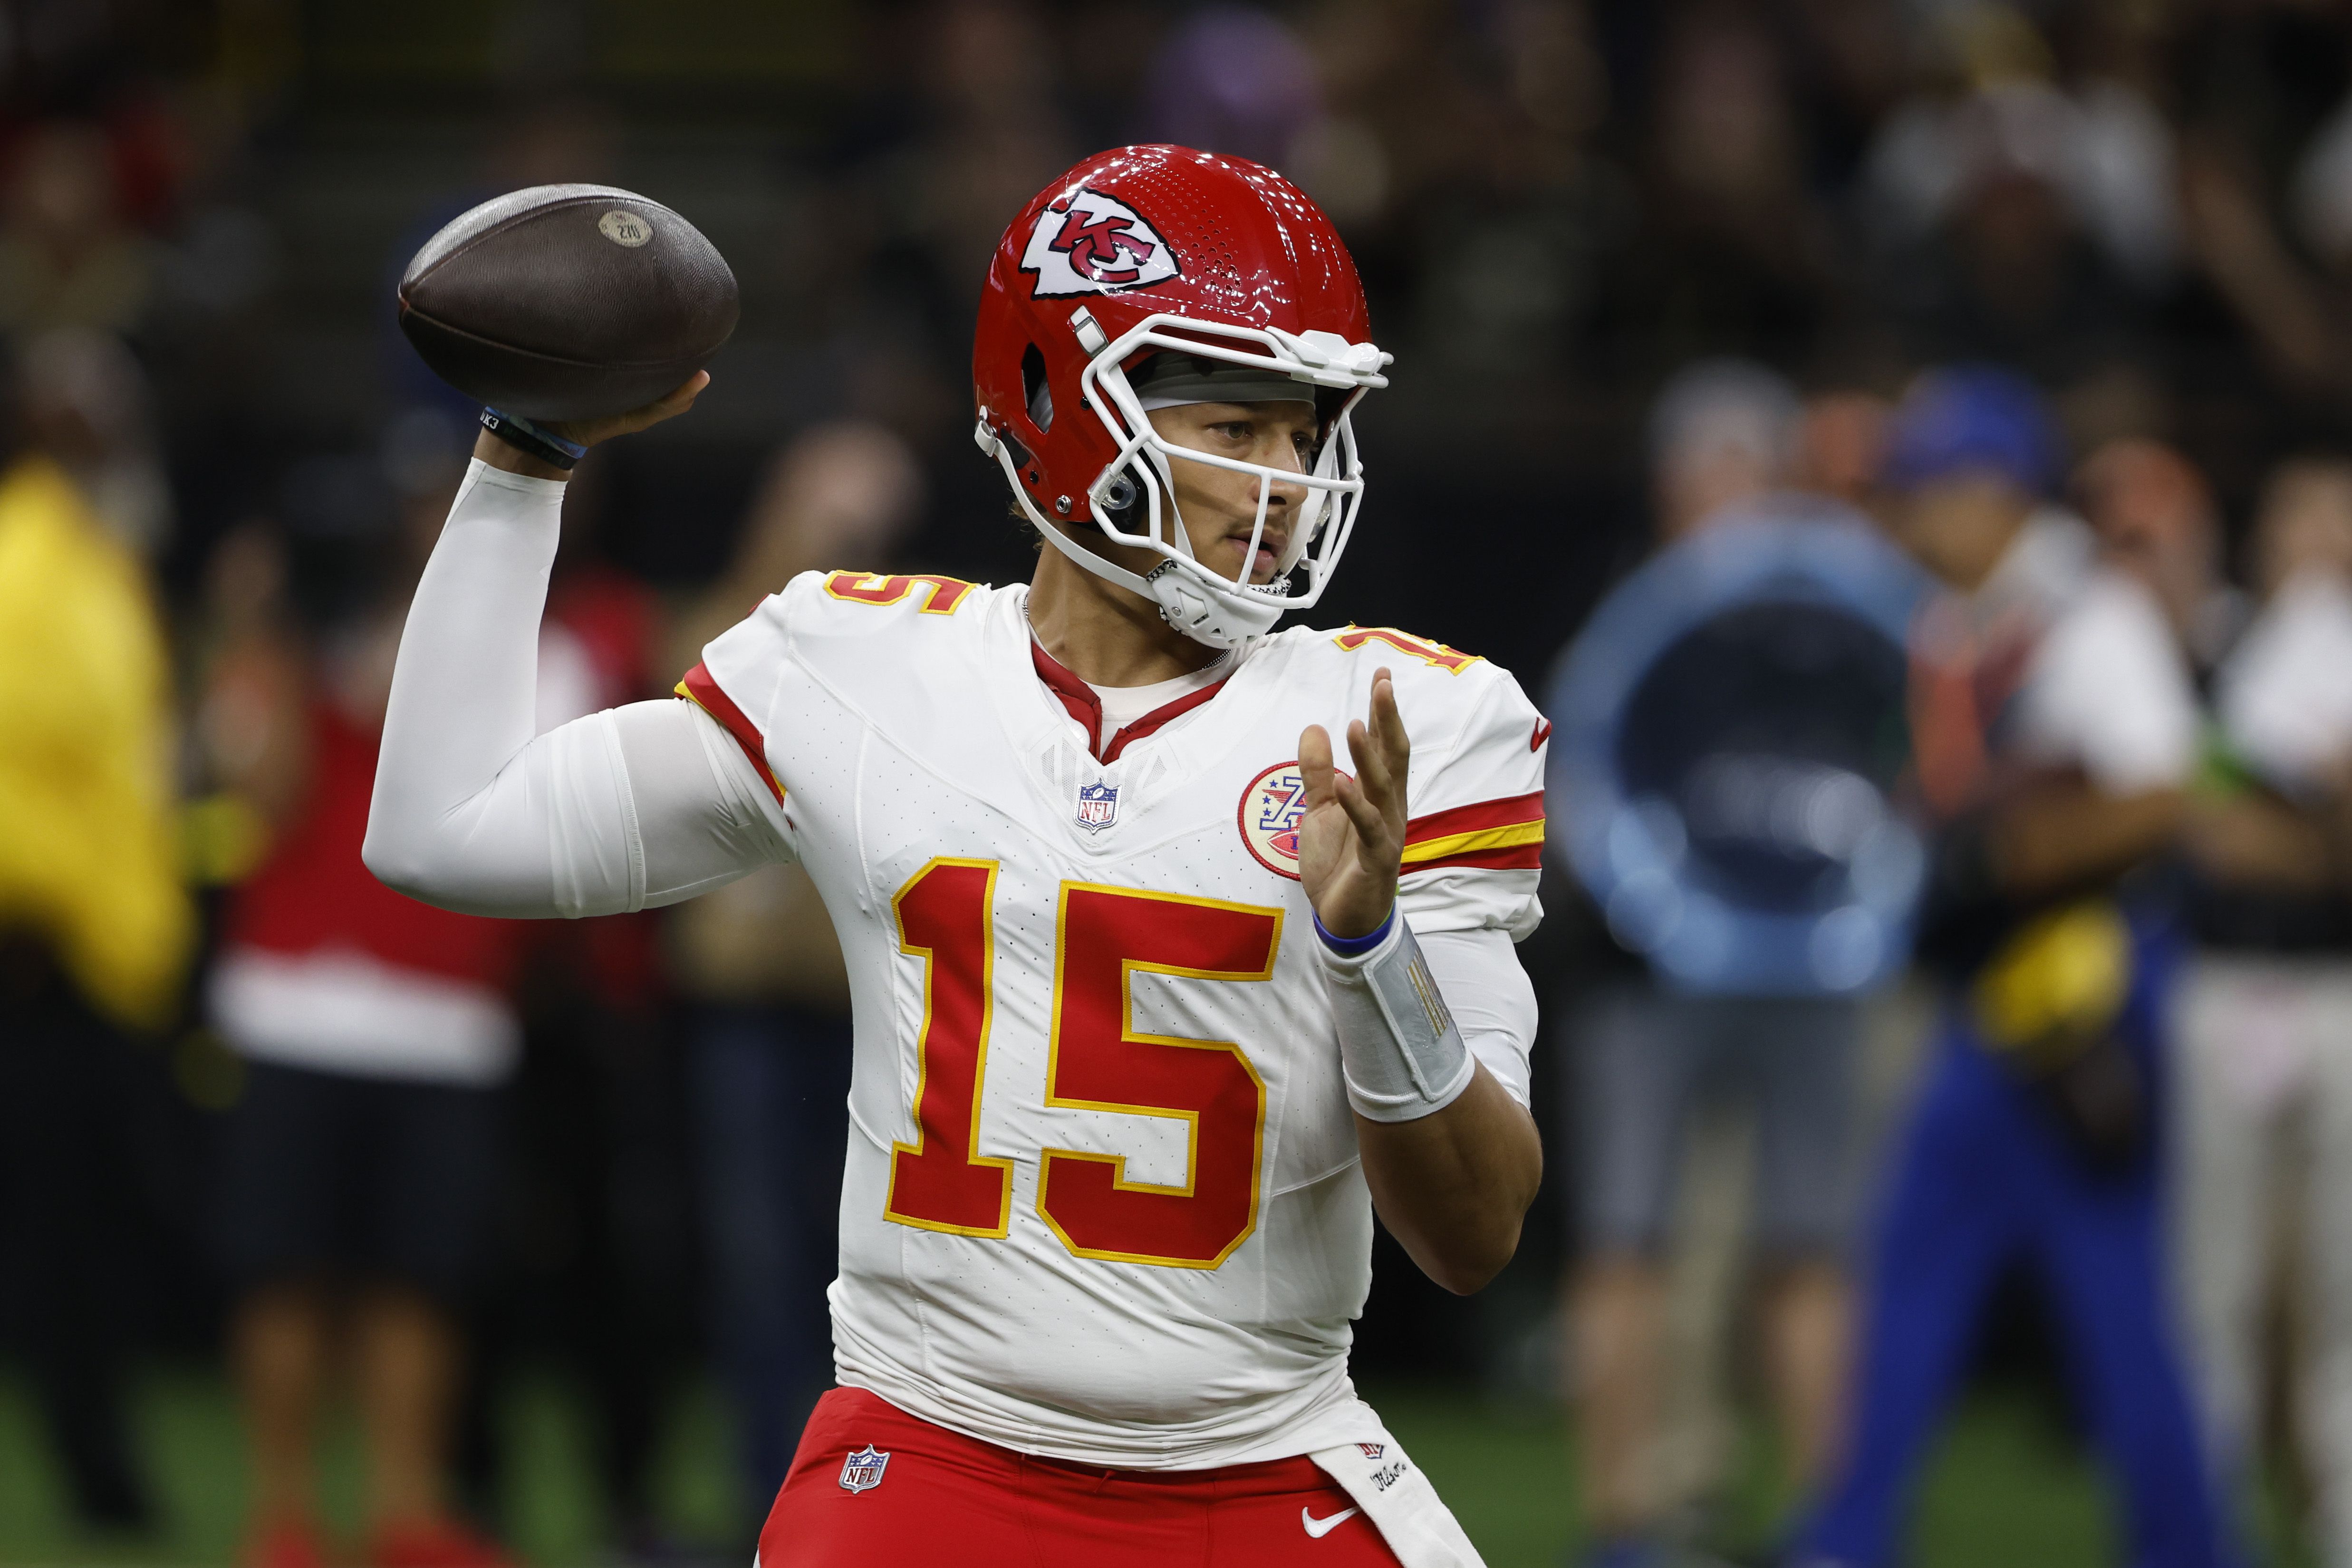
[[2053, 729]]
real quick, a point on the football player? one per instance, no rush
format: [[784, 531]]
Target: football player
[[1155, 1003]]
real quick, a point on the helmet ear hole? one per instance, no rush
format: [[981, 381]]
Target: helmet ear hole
[[1120, 498], [1036, 395]]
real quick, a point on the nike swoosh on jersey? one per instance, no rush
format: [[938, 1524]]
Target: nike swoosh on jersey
[[1319, 1528]]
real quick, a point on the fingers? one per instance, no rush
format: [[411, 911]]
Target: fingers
[[1388, 722], [669, 405], [1374, 833], [679, 398], [1381, 752], [1372, 767], [1374, 798], [1314, 768]]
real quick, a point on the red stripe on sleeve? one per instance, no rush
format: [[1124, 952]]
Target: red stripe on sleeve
[[1503, 813], [1511, 857], [704, 692]]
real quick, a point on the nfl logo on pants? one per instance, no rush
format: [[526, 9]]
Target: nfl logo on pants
[[862, 1471]]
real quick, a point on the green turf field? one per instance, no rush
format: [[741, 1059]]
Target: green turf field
[[2006, 1487]]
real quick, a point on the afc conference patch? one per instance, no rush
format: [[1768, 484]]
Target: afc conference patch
[[862, 1471], [1097, 806], [1273, 806]]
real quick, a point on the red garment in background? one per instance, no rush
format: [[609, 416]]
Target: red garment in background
[[313, 892], [615, 958], [616, 619]]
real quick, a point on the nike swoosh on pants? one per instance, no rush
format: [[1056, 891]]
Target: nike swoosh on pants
[[1319, 1528]]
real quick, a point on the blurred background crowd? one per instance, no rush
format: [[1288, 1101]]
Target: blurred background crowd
[[1906, 444]]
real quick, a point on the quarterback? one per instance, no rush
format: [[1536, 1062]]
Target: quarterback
[[1157, 1001]]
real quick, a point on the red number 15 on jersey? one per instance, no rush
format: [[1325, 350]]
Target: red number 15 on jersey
[[1104, 936]]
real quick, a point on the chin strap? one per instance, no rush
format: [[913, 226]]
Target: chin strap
[[1216, 620]]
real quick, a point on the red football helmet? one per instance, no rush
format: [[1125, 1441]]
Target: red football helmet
[[1147, 250]]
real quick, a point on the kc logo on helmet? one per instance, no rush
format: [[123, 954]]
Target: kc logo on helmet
[[1087, 243]]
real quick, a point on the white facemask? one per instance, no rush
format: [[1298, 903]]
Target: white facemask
[[1223, 364]]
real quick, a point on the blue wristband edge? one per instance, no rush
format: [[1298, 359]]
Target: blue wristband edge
[[1354, 946]]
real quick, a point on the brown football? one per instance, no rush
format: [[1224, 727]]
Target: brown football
[[567, 302]]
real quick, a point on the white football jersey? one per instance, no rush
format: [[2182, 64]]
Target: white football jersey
[[1102, 1199]]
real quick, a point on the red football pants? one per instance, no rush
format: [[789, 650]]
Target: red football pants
[[945, 1500]]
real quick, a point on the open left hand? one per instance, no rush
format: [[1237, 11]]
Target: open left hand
[[1352, 841]]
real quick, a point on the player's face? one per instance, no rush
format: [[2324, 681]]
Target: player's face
[[1218, 505], [1959, 526]]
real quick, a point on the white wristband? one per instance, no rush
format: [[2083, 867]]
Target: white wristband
[[1398, 1050]]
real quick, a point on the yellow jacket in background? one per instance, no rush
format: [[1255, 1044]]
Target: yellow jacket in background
[[88, 851]]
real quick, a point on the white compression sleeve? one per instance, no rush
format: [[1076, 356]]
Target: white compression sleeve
[[1491, 998], [624, 808], [695, 840]]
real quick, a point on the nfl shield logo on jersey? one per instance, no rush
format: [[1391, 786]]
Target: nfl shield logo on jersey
[[1097, 806], [862, 1471]]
